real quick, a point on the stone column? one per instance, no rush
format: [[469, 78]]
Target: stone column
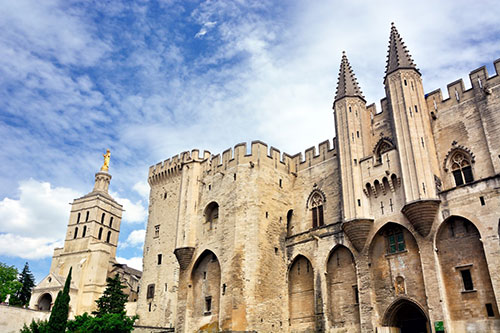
[[364, 288]]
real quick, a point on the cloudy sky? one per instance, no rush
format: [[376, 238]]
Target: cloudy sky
[[149, 79]]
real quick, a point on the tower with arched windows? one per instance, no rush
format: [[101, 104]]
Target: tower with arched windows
[[392, 228], [89, 248]]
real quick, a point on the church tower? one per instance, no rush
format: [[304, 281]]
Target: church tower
[[89, 248], [413, 133], [351, 119]]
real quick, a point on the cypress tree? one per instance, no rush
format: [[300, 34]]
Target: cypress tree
[[113, 299], [23, 295], [59, 315]]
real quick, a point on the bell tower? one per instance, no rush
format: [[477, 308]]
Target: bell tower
[[413, 133], [89, 247]]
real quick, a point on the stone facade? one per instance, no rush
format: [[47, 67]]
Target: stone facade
[[90, 249], [393, 229]]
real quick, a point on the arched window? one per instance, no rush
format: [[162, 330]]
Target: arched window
[[111, 222], [460, 165], [382, 146], [395, 240], [100, 234], [102, 218], [87, 216], [316, 206], [84, 230], [212, 212], [78, 218], [109, 237], [76, 233]]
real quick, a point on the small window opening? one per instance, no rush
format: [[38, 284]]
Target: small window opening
[[111, 222], [422, 140], [467, 280], [87, 217], [489, 310], [84, 230], [267, 215], [406, 83], [204, 275], [481, 199], [411, 85], [149, 307], [234, 176], [281, 183], [100, 234], [166, 287], [159, 259], [78, 218], [208, 304], [350, 110], [357, 134], [356, 294], [355, 161], [164, 195], [395, 240], [102, 218], [209, 187], [76, 233], [151, 291], [275, 250], [108, 238], [223, 289], [157, 231], [212, 212], [416, 109], [359, 203]]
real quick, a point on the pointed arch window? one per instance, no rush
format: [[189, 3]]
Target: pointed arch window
[[100, 234], [316, 206], [78, 218], [461, 168], [384, 145], [102, 218], [108, 239], [84, 230], [76, 233]]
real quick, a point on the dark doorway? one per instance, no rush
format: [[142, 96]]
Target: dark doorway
[[45, 302], [408, 317]]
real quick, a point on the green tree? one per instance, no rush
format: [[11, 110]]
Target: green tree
[[59, 315], [41, 326], [113, 300], [8, 281], [107, 323], [23, 295]]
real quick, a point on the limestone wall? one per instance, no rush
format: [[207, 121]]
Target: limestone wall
[[13, 318]]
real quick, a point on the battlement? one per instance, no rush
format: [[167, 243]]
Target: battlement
[[481, 83], [260, 154]]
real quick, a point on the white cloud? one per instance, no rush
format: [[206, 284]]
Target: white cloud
[[36, 222], [134, 239], [142, 188], [134, 262], [27, 247], [134, 212], [40, 211]]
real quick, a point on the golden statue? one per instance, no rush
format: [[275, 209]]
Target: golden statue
[[105, 166]]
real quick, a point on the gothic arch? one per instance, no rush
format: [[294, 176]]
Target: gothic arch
[[317, 193], [315, 203], [454, 150], [394, 252], [206, 289], [464, 270], [301, 294], [392, 315], [383, 145], [342, 286]]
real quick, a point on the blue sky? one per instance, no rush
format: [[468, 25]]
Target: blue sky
[[149, 79]]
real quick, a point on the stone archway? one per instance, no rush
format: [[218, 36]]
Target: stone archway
[[45, 302], [406, 316], [301, 295]]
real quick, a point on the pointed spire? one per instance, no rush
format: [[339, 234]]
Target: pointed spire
[[398, 56], [347, 85]]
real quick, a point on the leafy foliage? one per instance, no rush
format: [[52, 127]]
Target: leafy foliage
[[8, 281], [23, 295], [59, 315], [106, 323], [113, 300], [36, 327]]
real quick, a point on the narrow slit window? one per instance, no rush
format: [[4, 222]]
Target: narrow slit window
[[100, 234], [87, 217], [84, 231], [76, 233], [111, 222], [159, 258], [108, 239], [78, 218], [489, 310], [208, 304], [481, 199], [102, 218]]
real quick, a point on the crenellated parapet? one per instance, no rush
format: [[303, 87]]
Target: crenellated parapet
[[260, 155], [481, 84]]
